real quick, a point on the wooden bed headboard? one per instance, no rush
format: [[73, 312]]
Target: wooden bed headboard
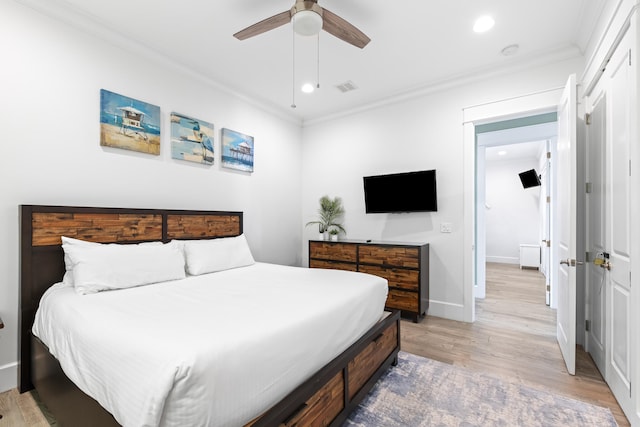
[[42, 257]]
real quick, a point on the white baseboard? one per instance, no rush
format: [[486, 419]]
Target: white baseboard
[[503, 259], [446, 310], [8, 376]]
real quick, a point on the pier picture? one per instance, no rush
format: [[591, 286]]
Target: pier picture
[[237, 151], [191, 139], [128, 123]]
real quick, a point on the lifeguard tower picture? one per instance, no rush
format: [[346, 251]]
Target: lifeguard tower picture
[[131, 122], [237, 150], [128, 123]]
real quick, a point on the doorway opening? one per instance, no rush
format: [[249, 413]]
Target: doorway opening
[[514, 181]]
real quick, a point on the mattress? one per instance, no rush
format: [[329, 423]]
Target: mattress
[[211, 350]]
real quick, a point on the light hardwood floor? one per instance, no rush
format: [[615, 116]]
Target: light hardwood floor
[[513, 337], [20, 410]]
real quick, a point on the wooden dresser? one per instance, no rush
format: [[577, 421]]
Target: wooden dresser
[[404, 265]]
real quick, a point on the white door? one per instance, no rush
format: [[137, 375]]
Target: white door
[[566, 225], [620, 77], [545, 215], [596, 294]]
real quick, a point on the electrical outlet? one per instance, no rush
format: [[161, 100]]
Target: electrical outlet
[[446, 227]]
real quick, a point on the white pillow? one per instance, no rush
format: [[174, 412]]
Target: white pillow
[[117, 266], [68, 274], [207, 256]]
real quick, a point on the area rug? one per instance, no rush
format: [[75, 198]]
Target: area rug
[[423, 392]]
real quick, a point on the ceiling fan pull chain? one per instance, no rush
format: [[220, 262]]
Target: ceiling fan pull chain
[[293, 68]]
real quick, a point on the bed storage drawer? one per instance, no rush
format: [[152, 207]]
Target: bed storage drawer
[[322, 407], [365, 364], [327, 398]]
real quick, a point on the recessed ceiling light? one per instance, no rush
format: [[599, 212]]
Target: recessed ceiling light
[[307, 88], [484, 23], [502, 152]]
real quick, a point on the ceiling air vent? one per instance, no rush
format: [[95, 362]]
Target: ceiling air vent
[[347, 86]]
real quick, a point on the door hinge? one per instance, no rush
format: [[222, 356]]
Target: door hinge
[[548, 154], [548, 243], [548, 199], [587, 187], [587, 257], [587, 118], [548, 288], [587, 325]]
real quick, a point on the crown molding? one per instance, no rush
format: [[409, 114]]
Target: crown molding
[[64, 12], [459, 80]]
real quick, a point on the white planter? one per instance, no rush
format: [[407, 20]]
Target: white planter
[[334, 237], [321, 236]]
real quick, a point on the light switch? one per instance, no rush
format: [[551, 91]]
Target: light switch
[[446, 227]]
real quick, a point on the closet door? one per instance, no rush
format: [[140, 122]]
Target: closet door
[[621, 96]]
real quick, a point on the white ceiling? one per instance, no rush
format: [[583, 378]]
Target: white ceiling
[[523, 150], [416, 45]]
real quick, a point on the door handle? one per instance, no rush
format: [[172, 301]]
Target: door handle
[[571, 262]]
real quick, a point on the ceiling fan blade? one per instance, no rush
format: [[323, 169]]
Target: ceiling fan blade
[[343, 30], [265, 25]]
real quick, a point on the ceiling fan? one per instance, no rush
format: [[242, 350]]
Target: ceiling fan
[[308, 19]]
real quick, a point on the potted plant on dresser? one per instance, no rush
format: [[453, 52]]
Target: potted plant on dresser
[[330, 216]]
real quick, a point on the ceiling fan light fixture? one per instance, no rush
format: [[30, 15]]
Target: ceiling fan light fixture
[[307, 23], [308, 88]]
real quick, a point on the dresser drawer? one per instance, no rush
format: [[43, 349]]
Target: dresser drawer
[[333, 251], [403, 300], [370, 359], [390, 255], [405, 266], [319, 263], [397, 277]]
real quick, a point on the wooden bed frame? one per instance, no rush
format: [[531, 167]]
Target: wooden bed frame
[[327, 398]]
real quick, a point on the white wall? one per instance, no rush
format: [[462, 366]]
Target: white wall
[[423, 132], [50, 82], [512, 216]]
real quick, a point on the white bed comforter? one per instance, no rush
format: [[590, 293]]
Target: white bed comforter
[[211, 350]]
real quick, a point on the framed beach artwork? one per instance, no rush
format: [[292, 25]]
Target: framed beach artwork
[[191, 139], [128, 123], [237, 150]]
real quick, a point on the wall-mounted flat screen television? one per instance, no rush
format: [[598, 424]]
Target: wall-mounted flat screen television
[[401, 192], [529, 178]]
